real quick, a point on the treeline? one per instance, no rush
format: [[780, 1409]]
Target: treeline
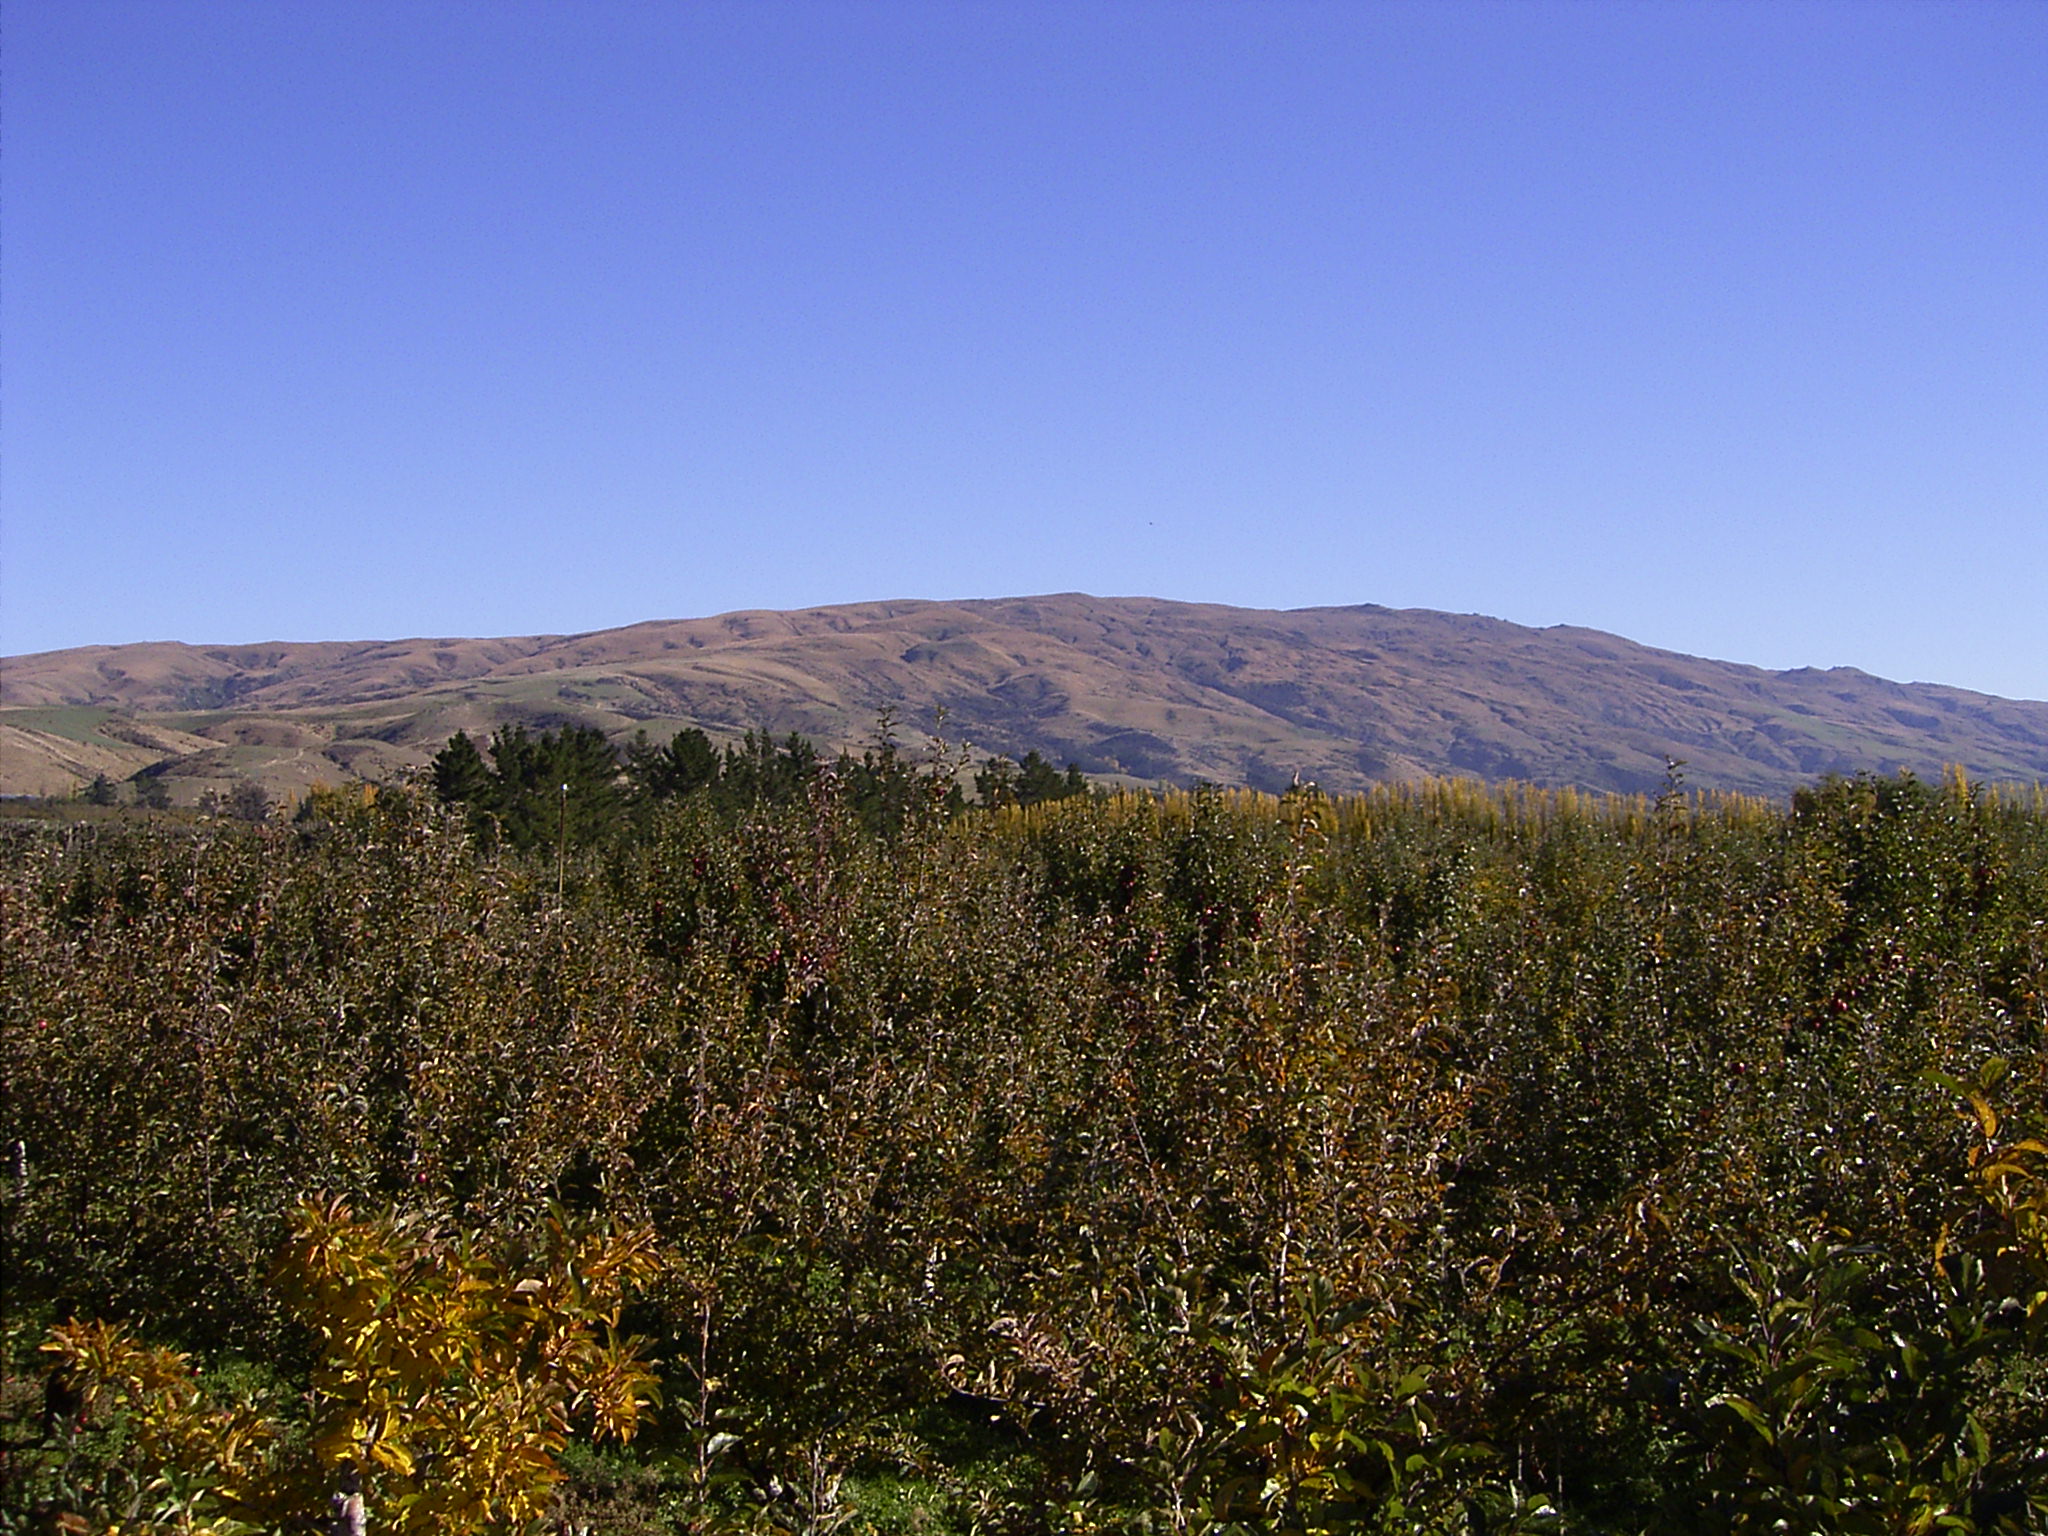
[[573, 785], [1440, 1160], [244, 799]]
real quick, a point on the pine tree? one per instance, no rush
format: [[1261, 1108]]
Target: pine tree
[[687, 764], [461, 777], [758, 770], [1038, 780], [247, 802], [995, 782]]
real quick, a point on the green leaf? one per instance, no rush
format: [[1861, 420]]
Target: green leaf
[[1747, 1411]]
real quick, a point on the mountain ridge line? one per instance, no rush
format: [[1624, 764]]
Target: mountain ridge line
[[1134, 690]]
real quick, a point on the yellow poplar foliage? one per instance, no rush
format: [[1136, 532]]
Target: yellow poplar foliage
[[206, 1460], [448, 1374]]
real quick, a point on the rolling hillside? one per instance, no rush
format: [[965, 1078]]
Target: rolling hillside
[[1136, 689]]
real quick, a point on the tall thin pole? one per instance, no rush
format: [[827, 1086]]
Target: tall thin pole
[[562, 851]]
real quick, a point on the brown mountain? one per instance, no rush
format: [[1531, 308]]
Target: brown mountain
[[1136, 689]]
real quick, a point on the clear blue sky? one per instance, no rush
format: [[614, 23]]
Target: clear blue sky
[[1722, 326]]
